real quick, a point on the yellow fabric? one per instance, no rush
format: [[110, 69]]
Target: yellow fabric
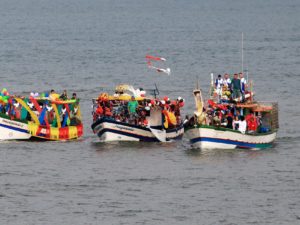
[[54, 133], [32, 114], [32, 127], [172, 118], [57, 100], [199, 101], [166, 124], [202, 119], [73, 132], [125, 97], [56, 115], [54, 96], [122, 87]]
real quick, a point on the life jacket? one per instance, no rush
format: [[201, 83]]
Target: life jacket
[[145, 122], [167, 106], [99, 110], [212, 103], [152, 102], [103, 97], [251, 122], [166, 98], [107, 111], [170, 117]]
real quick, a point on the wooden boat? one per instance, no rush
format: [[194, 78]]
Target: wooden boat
[[210, 137], [205, 135], [112, 128], [27, 118]]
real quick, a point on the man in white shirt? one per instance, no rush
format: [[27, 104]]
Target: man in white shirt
[[243, 82], [243, 85], [219, 85], [242, 124], [227, 81]]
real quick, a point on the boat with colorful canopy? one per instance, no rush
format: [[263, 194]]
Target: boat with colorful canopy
[[151, 120], [235, 123], [39, 117]]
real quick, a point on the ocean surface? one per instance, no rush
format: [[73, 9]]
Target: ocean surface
[[89, 46]]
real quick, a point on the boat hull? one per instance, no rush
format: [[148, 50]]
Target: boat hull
[[213, 138], [54, 133], [13, 130], [110, 130]]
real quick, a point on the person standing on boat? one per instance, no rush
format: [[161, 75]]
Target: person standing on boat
[[74, 96], [236, 86], [132, 107], [226, 86], [64, 95], [243, 82], [243, 85], [251, 122], [219, 86], [99, 112], [227, 81], [53, 95]]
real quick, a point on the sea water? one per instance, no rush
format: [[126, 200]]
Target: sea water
[[90, 46]]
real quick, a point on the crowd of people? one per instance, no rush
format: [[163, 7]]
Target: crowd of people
[[228, 116], [227, 88], [41, 106], [136, 110]]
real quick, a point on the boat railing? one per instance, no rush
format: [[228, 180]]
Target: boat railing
[[270, 111]]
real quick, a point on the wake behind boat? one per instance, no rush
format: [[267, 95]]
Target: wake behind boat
[[129, 115], [232, 119]]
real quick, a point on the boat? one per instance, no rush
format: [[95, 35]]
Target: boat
[[154, 121], [40, 118], [261, 119]]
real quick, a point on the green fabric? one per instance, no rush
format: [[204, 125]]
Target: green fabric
[[59, 107], [54, 123], [24, 111], [236, 93], [132, 105], [71, 107], [236, 84], [23, 114]]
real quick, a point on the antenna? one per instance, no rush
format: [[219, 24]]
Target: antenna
[[242, 52]]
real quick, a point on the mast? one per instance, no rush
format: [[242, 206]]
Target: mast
[[242, 52]]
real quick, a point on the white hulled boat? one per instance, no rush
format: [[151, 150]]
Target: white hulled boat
[[161, 125], [207, 135]]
